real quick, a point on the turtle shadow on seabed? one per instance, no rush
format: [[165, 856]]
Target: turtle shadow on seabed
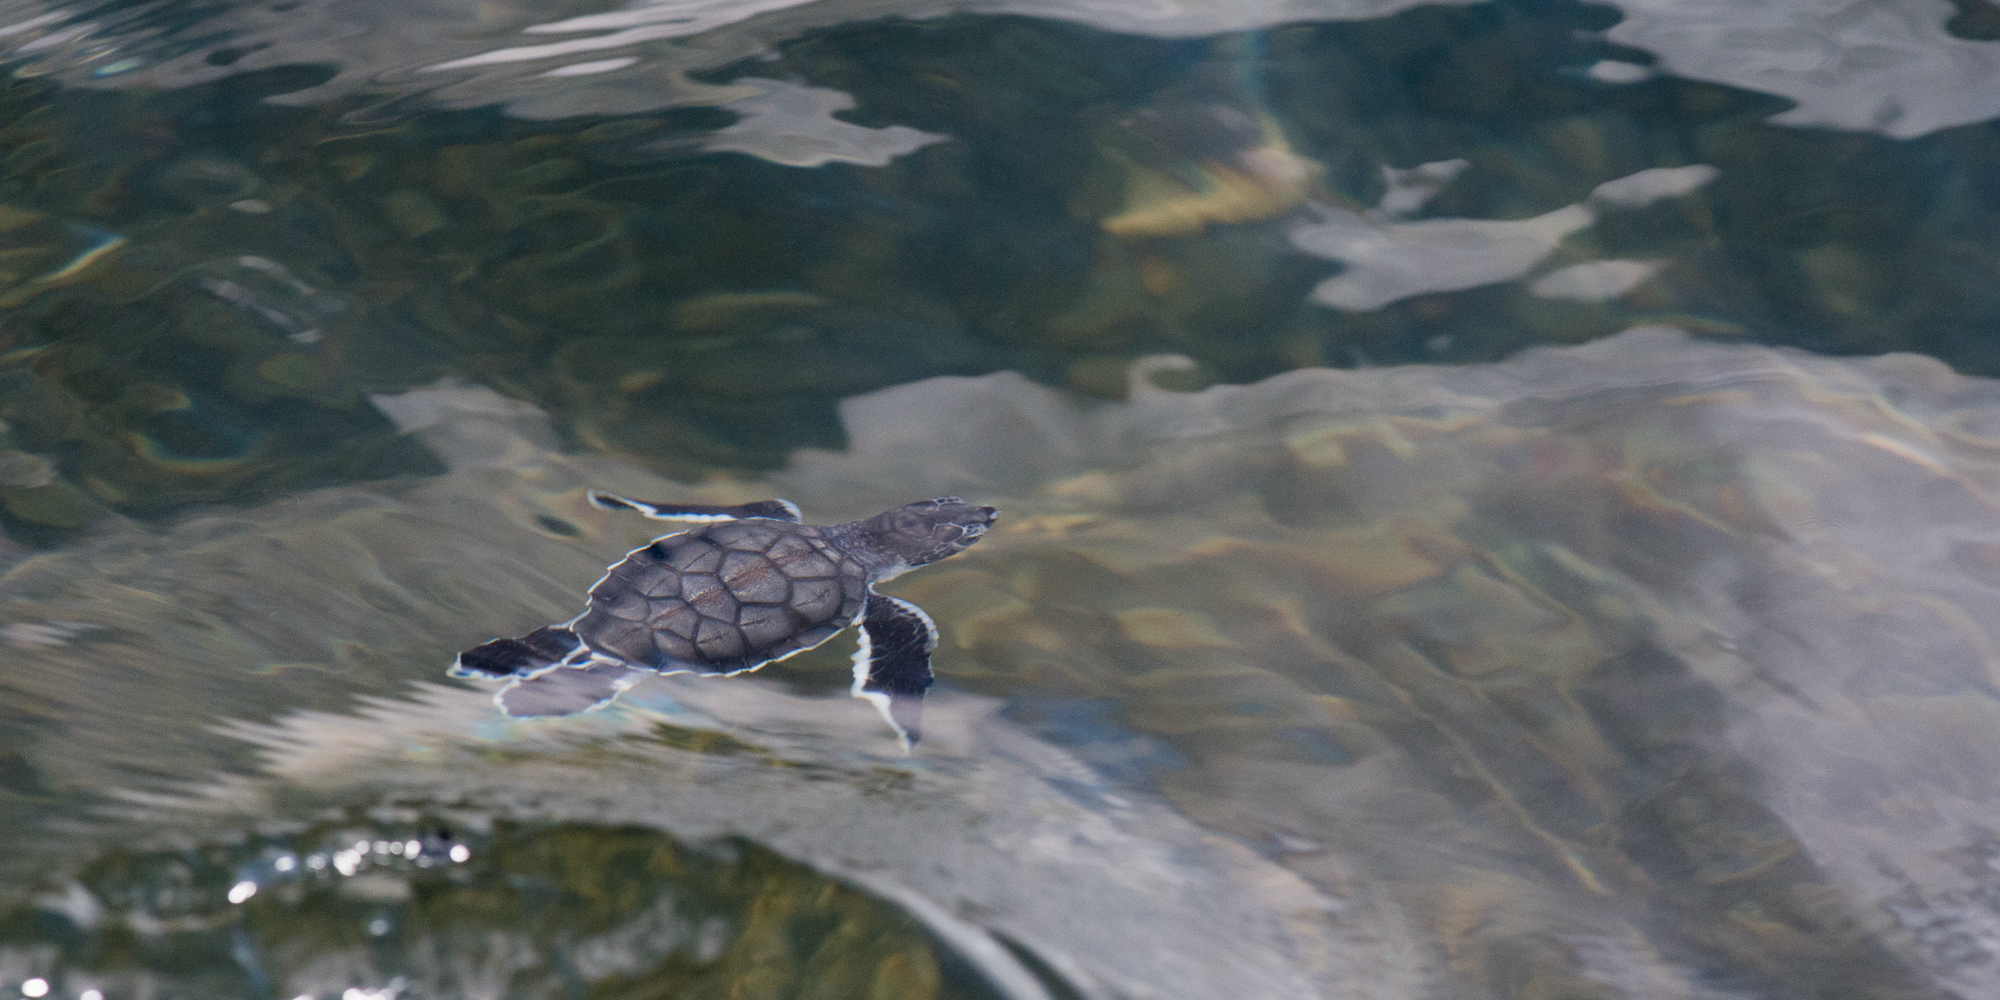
[[1642, 668]]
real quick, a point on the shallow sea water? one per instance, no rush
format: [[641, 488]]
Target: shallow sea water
[[1498, 498]]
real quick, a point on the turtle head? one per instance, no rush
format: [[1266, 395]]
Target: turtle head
[[929, 530]]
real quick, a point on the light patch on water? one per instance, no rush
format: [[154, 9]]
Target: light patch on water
[[1594, 281], [1887, 68], [30, 24], [1389, 262], [593, 67], [30, 635], [794, 125], [1386, 260], [75, 903], [1648, 186], [1618, 71], [473, 425]]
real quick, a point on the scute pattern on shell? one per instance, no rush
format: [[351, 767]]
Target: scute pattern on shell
[[724, 598]]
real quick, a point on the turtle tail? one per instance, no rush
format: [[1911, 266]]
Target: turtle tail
[[531, 654]]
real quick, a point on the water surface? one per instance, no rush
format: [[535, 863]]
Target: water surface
[[1372, 617]]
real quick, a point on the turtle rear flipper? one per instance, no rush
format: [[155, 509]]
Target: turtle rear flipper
[[567, 690], [530, 654], [776, 510], [892, 669]]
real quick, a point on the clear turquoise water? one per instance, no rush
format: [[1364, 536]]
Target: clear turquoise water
[[1603, 673]]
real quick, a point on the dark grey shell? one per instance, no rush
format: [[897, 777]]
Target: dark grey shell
[[724, 598]]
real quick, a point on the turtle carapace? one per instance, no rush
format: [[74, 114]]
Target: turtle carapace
[[749, 586]]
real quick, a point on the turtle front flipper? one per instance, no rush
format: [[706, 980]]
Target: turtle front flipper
[[776, 510], [531, 654], [892, 669], [568, 690]]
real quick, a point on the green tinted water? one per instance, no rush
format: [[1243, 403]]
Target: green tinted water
[[602, 268]]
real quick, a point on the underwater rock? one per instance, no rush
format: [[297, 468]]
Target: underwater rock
[[33, 401], [52, 504], [39, 253], [21, 469], [159, 388], [195, 181], [1118, 895], [1202, 164], [412, 212], [720, 310], [451, 909]]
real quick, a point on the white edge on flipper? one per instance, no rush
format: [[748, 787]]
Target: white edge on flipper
[[864, 654], [597, 499], [929, 625]]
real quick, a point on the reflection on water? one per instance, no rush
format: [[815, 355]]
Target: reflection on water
[[1389, 260], [1902, 72], [604, 62], [1642, 668], [794, 125]]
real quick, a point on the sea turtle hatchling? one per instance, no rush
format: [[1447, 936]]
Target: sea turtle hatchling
[[749, 587]]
